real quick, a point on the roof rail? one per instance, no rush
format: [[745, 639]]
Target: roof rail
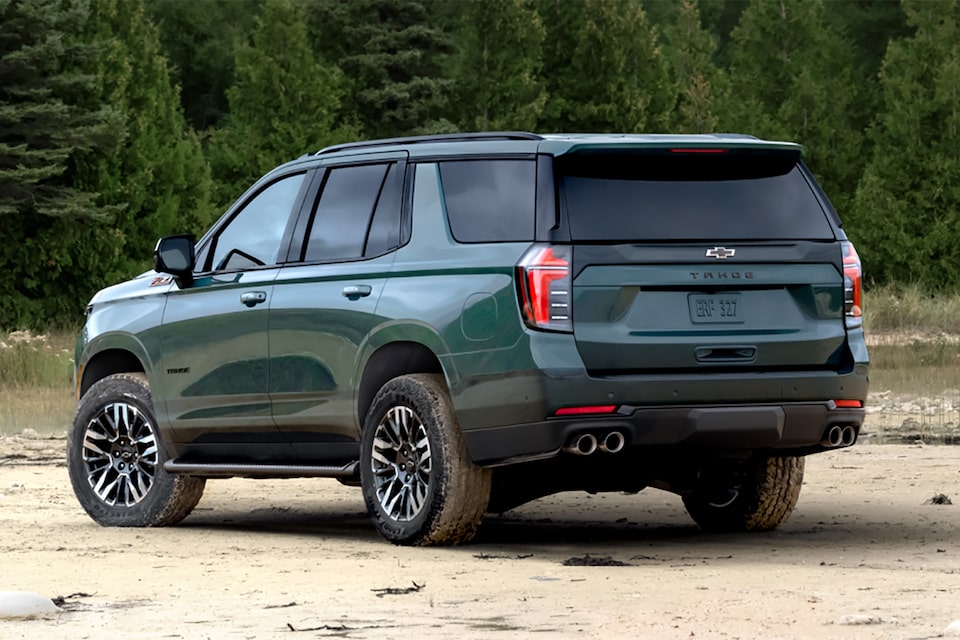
[[443, 137]]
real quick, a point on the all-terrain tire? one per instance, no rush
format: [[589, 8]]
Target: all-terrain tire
[[763, 497], [115, 458], [419, 484]]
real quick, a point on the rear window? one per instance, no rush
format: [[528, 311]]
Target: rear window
[[659, 195], [490, 200]]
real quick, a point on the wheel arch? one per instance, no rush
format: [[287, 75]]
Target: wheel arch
[[108, 362], [389, 361]]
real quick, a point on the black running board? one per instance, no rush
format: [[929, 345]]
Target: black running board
[[228, 470]]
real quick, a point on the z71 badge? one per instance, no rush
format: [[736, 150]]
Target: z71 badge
[[161, 280]]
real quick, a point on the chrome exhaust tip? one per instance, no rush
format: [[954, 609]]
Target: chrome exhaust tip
[[613, 442], [833, 438], [849, 436], [583, 445]]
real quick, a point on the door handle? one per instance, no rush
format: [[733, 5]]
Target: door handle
[[356, 291], [253, 298]]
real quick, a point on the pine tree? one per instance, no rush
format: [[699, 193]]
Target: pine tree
[[285, 102], [499, 63], [159, 177], [907, 214], [200, 39], [393, 53], [41, 81], [689, 49], [49, 117], [793, 77], [603, 67]]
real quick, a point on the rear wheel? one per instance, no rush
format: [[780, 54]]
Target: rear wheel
[[115, 458], [419, 484], [758, 496]]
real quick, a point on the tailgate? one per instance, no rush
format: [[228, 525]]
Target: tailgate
[[694, 259], [691, 316]]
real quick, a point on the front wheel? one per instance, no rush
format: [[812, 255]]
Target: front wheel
[[419, 484], [115, 458], [759, 496]]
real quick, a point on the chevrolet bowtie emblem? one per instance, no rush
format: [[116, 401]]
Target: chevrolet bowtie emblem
[[721, 253]]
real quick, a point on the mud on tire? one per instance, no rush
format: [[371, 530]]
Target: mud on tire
[[419, 484], [115, 458], [758, 498]]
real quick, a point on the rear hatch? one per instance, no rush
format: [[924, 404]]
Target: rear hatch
[[688, 259]]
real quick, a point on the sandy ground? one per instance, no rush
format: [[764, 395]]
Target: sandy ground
[[862, 557]]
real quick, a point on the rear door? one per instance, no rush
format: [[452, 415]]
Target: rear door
[[325, 300], [694, 260]]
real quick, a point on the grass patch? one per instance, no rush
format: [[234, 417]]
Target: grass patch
[[910, 309], [36, 381]]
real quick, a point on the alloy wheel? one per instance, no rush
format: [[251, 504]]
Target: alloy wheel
[[120, 454], [401, 464]]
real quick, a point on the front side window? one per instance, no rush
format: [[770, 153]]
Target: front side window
[[254, 235]]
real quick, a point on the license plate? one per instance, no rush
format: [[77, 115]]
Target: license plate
[[712, 309]]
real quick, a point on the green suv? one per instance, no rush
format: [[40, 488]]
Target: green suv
[[461, 324]]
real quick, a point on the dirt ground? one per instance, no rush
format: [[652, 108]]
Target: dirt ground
[[864, 556]]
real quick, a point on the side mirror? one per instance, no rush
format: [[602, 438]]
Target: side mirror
[[176, 255]]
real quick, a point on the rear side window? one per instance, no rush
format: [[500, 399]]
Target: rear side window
[[651, 196], [343, 213], [490, 200]]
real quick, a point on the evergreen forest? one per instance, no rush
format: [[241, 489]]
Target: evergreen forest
[[125, 120]]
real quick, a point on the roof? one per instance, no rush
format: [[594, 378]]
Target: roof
[[552, 143]]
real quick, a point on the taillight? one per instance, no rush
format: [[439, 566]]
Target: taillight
[[852, 286], [543, 275]]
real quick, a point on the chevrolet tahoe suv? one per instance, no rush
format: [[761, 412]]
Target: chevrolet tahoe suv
[[460, 324]]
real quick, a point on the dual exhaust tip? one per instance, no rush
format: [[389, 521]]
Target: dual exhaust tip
[[587, 444], [839, 436]]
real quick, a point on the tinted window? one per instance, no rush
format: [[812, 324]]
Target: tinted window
[[490, 200], [659, 196], [343, 213], [385, 227], [252, 238]]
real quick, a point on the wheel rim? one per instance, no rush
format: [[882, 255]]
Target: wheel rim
[[120, 454], [401, 464]]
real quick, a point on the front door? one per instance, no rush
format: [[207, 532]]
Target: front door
[[214, 360]]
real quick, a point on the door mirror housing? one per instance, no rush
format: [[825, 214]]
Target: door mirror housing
[[177, 256]]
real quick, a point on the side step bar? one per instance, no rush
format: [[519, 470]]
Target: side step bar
[[228, 470]]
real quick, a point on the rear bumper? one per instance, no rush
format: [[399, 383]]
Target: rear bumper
[[796, 428]]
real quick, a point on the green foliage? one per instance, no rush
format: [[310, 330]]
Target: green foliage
[[159, 176], [45, 113], [49, 117], [97, 159], [689, 50], [200, 39], [285, 102], [907, 216], [794, 77], [499, 65], [393, 53], [603, 68], [720, 18], [87, 88]]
